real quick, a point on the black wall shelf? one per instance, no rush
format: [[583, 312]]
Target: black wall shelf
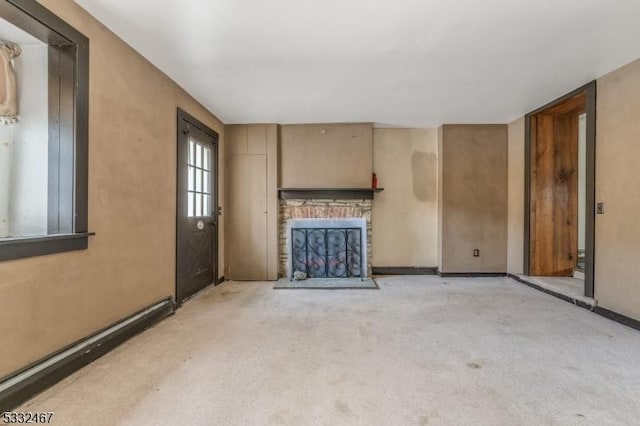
[[328, 193]]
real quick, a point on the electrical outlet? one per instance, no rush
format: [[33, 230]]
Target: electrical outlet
[[476, 253]]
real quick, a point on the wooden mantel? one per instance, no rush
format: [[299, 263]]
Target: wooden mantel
[[328, 193]]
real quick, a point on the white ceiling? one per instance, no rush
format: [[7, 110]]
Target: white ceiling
[[412, 63]]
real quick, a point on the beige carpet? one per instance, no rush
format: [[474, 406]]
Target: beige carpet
[[419, 351]]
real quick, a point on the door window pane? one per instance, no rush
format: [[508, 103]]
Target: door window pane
[[206, 182], [192, 152], [190, 204], [206, 204], [191, 185], [206, 159], [199, 185], [198, 204], [198, 155], [198, 180]]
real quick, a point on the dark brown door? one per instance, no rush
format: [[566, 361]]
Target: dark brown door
[[197, 219]]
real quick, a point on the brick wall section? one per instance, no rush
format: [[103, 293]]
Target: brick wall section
[[308, 209]]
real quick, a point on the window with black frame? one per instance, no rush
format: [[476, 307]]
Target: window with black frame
[[43, 132]]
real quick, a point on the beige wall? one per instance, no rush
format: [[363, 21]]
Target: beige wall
[[51, 301], [617, 245], [252, 253], [515, 252], [617, 281], [405, 214], [339, 158], [473, 160]]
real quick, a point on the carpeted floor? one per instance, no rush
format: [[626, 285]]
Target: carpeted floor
[[419, 351]]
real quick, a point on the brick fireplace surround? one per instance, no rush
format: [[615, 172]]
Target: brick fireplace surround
[[321, 209]]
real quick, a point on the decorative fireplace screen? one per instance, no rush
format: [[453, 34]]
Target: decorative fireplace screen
[[327, 252]]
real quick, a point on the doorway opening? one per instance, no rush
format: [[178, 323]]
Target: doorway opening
[[560, 188], [197, 207]]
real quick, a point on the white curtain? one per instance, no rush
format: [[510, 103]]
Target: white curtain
[[8, 116], [8, 87]]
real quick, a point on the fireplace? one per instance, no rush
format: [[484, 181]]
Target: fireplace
[[327, 247], [326, 238]]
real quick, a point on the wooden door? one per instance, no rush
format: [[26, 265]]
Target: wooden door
[[247, 255], [197, 224], [554, 189]]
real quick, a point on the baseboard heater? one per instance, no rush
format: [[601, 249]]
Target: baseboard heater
[[39, 376]]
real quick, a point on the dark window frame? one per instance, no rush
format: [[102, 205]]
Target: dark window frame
[[68, 132]]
